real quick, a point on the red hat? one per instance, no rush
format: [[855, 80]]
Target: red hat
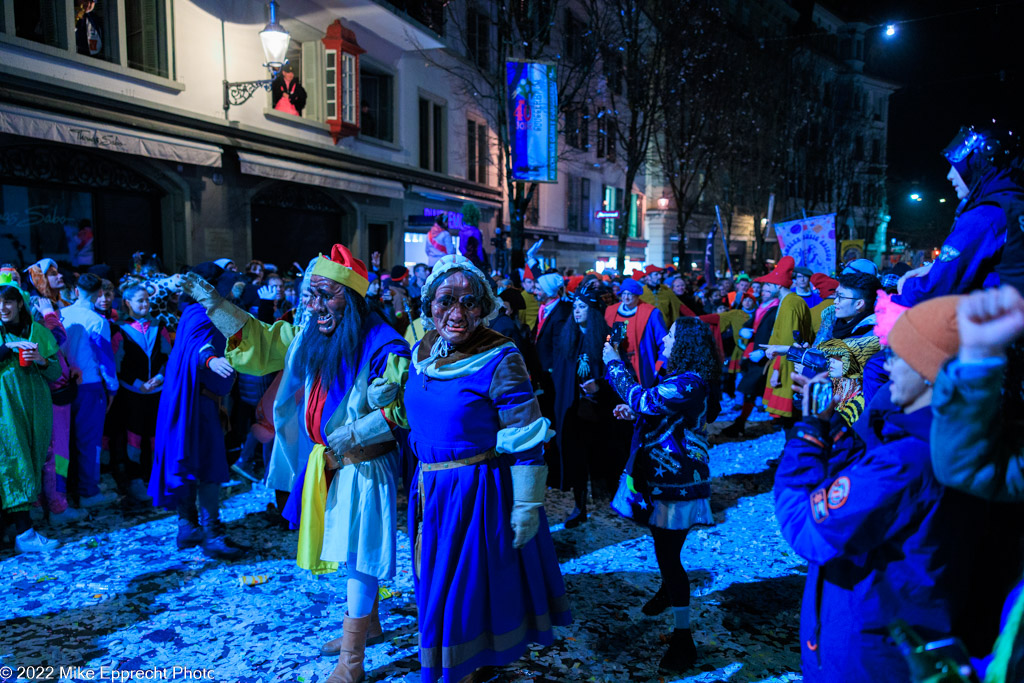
[[528, 274], [651, 268], [782, 275], [637, 274], [825, 285], [574, 282], [344, 268]]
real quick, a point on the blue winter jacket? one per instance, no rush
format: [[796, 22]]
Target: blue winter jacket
[[883, 540], [973, 252]]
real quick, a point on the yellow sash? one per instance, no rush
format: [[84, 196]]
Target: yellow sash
[[311, 525]]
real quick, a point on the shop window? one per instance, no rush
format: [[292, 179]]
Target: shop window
[[578, 204], [95, 30], [477, 152], [612, 202], [532, 216], [635, 216], [577, 128], [376, 93], [146, 36], [41, 21], [574, 37], [348, 89], [341, 80], [606, 137], [331, 83], [432, 139], [478, 37]]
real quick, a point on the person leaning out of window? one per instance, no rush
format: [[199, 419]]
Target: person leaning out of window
[[287, 92]]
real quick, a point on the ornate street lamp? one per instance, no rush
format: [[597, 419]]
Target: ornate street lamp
[[275, 41]]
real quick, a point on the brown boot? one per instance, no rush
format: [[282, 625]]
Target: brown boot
[[374, 635], [349, 668]]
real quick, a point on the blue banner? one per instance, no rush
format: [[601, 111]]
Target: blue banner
[[709, 259], [533, 121]]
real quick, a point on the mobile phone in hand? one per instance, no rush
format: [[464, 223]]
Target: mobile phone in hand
[[821, 397]]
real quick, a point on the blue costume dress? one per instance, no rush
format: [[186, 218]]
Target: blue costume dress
[[189, 444], [667, 482], [480, 600]]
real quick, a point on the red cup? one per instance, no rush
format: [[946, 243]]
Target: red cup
[[22, 361]]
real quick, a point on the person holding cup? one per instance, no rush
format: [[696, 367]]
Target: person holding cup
[[28, 360]]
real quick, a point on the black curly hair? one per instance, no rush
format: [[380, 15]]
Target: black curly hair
[[694, 351]]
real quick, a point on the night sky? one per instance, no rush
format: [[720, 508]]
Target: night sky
[[959, 63]]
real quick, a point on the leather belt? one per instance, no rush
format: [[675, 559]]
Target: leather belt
[[356, 455], [203, 391], [452, 464]]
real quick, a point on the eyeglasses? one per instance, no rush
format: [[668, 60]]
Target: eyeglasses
[[468, 302], [840, 297]]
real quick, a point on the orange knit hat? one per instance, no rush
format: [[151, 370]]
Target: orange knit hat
[[926, 336]]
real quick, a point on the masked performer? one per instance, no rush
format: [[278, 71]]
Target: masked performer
[[333, 442]]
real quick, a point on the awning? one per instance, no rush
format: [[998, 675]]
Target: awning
[[282, 169], [440, 195], [31, 123]]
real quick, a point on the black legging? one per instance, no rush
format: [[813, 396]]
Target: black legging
[[668, 548]]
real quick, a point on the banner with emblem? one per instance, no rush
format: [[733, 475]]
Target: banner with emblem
[[533, 121], [851, 250], [810, 241]]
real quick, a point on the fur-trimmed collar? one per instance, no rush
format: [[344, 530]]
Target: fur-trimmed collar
[[483, 340]]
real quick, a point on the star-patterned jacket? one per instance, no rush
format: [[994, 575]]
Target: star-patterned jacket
[[669, 453]]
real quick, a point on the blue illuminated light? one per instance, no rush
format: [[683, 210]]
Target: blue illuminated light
[[890, 30]]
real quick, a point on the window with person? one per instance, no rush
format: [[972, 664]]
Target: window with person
[[377, 103]]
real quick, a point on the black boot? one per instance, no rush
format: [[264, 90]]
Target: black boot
[[657, 604], [189, 533], [737, 428], [682, 653], [217, 546], [575, 518]]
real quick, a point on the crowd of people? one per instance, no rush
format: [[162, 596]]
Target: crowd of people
[[339, 385]]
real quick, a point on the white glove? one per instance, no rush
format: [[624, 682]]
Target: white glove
[[381, 393], [531, 253], [342, 440], [224, 315], [757, 356], [267, 292], [529, 482], [746, 333], [370, 429]]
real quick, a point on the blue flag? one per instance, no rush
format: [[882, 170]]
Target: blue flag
[[709, 258]]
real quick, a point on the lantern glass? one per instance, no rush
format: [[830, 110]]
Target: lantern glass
[[275, 44]]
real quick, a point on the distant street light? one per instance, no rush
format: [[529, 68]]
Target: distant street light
[[890, 30], [942, 200], [662, 203], [915, 197]]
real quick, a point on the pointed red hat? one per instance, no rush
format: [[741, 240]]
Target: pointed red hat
[[783, 273], [528, 274], [651, 268], [825, 285], [637, 274], [574, 282], [344, 268]]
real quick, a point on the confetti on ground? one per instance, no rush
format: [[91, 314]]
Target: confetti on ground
[[120, 595]]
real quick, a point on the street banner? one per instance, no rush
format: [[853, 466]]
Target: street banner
[[810, 241], [533, 121], [709, 259]]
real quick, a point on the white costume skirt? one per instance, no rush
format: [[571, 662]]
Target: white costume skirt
[[361, 516]]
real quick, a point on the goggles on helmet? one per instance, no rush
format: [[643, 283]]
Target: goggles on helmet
[[963, 144]]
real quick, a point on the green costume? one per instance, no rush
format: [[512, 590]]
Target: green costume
[[28, 416]]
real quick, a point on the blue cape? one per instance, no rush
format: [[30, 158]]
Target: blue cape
[[180, 454]]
